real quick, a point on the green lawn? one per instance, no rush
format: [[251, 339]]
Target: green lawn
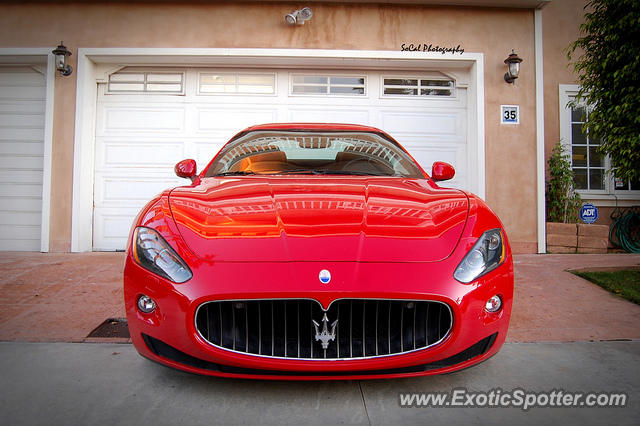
[[622, 283]]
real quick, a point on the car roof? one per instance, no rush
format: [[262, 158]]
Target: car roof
[[313, 126], [303, 127]]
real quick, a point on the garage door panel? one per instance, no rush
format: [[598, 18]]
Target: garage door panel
[[237, 101], [17, 232], [21, 92], [20, 189], [22, 176], [335, 115], [20, 244], [329, 102], [132, 191], [233, 119], [21, 76], [429, 124], [21, 204], [134, 120], [21, 162], [459, 101], [32, 121], [29, 107], [20, 134], [23, 219], [111, 227], [417, 140], [13, 147], [137, 154]]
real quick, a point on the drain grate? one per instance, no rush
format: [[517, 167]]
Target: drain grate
[[111, 328]]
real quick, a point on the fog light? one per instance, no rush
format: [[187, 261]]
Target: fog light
[[493, 304], [146, 304]]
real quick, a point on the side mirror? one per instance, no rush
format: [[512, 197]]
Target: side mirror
[[186, 169], [442, 171]]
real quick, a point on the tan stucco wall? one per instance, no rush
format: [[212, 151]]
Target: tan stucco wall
[[510, 150], [560, 26]]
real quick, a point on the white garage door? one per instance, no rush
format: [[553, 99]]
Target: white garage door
[[22, 103], [149, 119]]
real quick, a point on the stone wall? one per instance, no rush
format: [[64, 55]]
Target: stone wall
[[577, 238]]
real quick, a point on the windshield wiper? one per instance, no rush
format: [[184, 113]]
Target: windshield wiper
[[296, 172], [350, 172], [236, 173]]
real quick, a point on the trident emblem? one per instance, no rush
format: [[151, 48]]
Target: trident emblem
[[324, 336]]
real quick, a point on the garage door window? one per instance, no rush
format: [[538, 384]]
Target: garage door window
[[414, 86], [146, 82], [313, 84], [236, 83]]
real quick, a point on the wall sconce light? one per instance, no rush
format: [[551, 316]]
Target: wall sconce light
[[61, 53], [513, 67], [299, 16]]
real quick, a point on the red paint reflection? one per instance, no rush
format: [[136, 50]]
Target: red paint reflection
[[351, 215]]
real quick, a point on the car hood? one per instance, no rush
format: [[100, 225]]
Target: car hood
[[319, 218]]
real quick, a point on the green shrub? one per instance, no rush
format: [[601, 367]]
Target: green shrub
[[563, 203], [606, 59]]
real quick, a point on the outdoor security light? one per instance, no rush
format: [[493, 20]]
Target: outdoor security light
[[513, 67], [61, 53], [299, 16]]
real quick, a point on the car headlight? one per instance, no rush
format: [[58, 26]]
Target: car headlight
[[486, 255], [152, 252]]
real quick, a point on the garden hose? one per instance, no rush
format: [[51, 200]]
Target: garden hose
[[625, 230]]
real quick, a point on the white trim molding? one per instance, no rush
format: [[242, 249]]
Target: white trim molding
[[540, 160], [48, 144], [93, 63], [42, 55]]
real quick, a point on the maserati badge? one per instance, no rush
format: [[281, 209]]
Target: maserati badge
[[324, 276], [324, 336]]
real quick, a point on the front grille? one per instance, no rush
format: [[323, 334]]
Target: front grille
[[285, 328]]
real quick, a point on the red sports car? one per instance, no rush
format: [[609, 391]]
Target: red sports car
[[317, 251]]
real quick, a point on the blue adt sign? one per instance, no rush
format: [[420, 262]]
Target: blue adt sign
[[589, 213]]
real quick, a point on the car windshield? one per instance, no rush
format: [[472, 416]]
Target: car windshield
[[330, 153]]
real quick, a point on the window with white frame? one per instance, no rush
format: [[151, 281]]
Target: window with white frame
[[146, 82], [590, 168], [587, 163], [317, 84], [416, 86], [236, 83]]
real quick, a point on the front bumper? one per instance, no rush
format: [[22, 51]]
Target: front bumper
[[181, 360], [169, 336]]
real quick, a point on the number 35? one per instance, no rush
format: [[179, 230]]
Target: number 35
[[510, 115]]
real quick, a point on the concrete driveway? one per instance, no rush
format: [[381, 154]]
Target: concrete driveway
[[110, 384]]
